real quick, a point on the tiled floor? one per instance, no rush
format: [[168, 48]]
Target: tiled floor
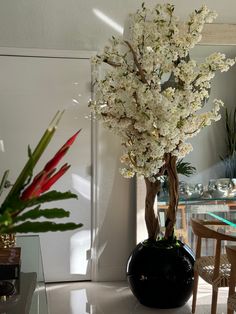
[[116, 298]]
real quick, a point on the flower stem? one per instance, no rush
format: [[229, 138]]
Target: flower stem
[[40, 148], [3, 181]]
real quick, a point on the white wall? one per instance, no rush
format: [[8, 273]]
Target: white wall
[[115, 208], [31, 92], [70, 24]]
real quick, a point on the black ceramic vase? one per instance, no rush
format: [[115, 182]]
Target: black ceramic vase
[[161, 277]]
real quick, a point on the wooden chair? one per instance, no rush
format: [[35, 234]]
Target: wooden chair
[[213, 269], [231, 254]]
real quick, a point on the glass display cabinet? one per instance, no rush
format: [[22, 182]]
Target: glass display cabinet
[[188, 206]]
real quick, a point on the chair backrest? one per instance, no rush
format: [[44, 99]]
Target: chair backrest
[[231, 254], [214, 270], [204, 229]]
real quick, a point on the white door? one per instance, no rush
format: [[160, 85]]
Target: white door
[[32, 89]]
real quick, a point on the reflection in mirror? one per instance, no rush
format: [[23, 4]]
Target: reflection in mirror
[[210, 144]]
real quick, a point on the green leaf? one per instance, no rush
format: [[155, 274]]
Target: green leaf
[[46, 213], [17, 205], [13, 205], [32, 161], [185, 168], [37, 227], [50, 197], [5, 219]]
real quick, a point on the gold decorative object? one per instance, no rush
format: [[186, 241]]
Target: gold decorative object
[[7, 240]]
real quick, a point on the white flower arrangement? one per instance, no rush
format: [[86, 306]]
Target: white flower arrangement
[[153, 117], [152, 94]]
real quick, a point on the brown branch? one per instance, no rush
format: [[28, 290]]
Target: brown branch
[[116, 65], [132, 160], [162, 171], [140, 70], [201, 125], [173, 195], [152, 220], [136, 98]]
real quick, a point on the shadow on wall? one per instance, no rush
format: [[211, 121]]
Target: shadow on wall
[[116, 210]]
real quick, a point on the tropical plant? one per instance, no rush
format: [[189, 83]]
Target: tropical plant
[[151, 94], [185, 168], [22, 204], [230, 158]]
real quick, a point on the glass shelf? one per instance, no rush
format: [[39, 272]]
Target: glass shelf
[[31, 261], [32, 298], [227, 217], [190, 201]]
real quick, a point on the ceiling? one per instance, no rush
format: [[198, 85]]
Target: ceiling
[[79, 24]]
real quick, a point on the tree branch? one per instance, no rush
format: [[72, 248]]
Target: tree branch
[[152, 219], [173, 195], [140, 70], [116, 65]]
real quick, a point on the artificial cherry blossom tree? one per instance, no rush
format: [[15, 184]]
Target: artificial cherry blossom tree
[[152, 95]]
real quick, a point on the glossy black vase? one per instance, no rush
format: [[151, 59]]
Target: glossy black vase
[[161, 277]]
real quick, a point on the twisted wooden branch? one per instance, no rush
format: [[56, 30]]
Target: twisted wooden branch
[[173, 196], [152, 219]]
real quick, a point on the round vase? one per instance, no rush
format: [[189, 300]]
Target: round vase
[[161, 277]]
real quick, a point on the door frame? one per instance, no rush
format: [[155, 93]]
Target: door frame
[[72, 54]]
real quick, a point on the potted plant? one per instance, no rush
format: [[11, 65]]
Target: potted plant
[[22, 205], [151, 93]]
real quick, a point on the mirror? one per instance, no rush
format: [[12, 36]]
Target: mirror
[[210, 143]]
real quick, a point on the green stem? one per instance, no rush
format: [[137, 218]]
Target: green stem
[[40, 148], [4, 179]]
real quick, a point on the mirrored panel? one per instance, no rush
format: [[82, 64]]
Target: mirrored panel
[[210, 145]]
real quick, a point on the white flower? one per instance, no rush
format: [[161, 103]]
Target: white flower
[[150, 93]]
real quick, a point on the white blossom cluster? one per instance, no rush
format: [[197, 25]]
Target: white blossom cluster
[[152, 94]]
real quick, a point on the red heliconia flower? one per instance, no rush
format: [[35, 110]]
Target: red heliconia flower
[[62, 151], [33, 190], [45, 178], [52, 179]]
